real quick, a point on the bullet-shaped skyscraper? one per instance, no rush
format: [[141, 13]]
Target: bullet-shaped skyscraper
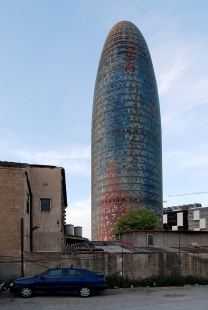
[[126, 132]]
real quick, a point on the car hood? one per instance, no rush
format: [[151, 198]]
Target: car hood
[[25, 278]]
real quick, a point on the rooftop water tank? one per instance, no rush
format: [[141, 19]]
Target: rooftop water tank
[[69, 229], [78, 231]]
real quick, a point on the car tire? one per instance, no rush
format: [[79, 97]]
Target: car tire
[[26, 292], [84, 291]]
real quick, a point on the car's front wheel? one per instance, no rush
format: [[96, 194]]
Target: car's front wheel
[[84, 291], [26, 292]]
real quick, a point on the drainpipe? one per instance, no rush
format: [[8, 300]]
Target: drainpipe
[[31, 223], [22, 247], [31, 212]]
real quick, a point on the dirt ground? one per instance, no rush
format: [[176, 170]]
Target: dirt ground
[[173, 298]]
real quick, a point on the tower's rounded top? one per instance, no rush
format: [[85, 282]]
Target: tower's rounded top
[[125, 34], [123, 25]]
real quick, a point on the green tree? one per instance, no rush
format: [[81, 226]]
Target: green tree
[[141, 219]]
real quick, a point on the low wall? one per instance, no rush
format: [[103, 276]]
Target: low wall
[[131, 265]]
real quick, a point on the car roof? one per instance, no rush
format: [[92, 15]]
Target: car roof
[[67, 267]]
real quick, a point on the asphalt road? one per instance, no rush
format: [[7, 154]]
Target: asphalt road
[[143, 298]]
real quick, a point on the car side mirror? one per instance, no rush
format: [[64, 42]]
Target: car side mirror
[[42, 278]]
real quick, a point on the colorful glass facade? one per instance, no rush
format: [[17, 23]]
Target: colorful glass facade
[[126, 132]]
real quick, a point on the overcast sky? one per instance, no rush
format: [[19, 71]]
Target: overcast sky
[[49, 55]]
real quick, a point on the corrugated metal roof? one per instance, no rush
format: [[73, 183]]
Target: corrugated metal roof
[[94, 247]]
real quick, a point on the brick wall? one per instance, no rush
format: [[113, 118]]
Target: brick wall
[[12, 204]]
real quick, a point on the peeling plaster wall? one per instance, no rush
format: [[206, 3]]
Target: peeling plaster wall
[[134, 266], [46, 183]]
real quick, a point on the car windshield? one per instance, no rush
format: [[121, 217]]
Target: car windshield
[[41, 274]]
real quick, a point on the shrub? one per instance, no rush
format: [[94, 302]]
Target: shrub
[[160, 281]]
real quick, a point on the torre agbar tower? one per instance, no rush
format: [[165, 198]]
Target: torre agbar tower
[[126, 132]]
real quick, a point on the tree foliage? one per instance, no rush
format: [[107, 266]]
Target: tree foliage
[[141, 219]]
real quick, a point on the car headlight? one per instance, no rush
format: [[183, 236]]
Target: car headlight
[[11, 284]]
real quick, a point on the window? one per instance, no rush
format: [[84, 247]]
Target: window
[[53, 274], [165, 218], [180, 219], [196, 215], [202, 223], [150, 239], [45, 204], [71, 273]]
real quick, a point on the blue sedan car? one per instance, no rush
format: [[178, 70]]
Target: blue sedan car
[[60, 279]]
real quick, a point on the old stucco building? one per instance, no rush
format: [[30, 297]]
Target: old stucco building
[[32, 205]]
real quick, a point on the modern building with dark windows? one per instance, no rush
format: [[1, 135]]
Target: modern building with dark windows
[[190, 217], [126, 132]]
